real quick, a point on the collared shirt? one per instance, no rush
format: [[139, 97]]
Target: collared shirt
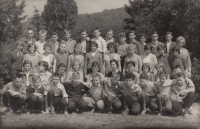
[[70, 46], [45, 77], [58, 90], [40, 47], [14, 61], [19, 53], [31, 89], [122, 49], [49, 59], [109, 40], [102, 46], [27, 80]]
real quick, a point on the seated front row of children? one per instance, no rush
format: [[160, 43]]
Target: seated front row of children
[[109, 95]]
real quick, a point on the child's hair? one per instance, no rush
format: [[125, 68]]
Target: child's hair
[[163, 74], [42, 32], [44, 64], [131, 47], [129, 76], [30, 45], [96, 76], [168, 32], [115, 75], [144, 76], [55, 33], [94, 43], [36, 77], [142, 35], [83, 30], [75, 75], [176, 49], [76, 61], [61, 65], [56, 74], [161, 47], [177, 67], [109, 30], [29, 29], [180, 39], [155, 33], [112, 44], [122, 34], [97, 28], [77, 45], [115, 61], [47, 45], [18, 75], [67, 31], [146, 65], [131, 31], [159, 65], [180, 74], [95, 63], [27, 62], [147, 47], [62, 42], [131, 63]]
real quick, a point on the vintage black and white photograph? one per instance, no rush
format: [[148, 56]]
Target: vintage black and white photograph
[[100, 64]]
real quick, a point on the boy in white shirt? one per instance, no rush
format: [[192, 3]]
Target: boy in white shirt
[[40, 44]]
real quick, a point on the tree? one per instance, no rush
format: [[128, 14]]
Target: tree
[[10, 19], [60, 15]]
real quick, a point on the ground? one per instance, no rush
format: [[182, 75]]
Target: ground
[[101, 121]]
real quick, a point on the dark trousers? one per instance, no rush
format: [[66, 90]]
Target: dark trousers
[[78, 103], [56, 101], [13, 72], [114, 102], [122, 62], [177, 107], [89, 70], [35, 102], [12, 102]]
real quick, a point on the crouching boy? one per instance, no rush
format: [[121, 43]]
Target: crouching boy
[[56, 96], [14, 95], [35, 95]]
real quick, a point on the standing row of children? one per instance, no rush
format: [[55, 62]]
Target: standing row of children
[[100, 74]]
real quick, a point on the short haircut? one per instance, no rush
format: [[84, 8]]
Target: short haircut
[[163, 74], [131, 31], [131, 63], [168, 32], [122, 34], [83, 30], [75, 75], [96, 76], [109, 30], [130, 76], [144, 76], [30, 45], [142, 35], [161, 47], [112, 44], [27, 62], [180, 39], [97, 28], [47, 45], [94, 43], [95, 63], [42, 32], [18, 75], [67, 31], [146, 65], [56, 74], [155, 33], [176, 49], [180, 74], [44, 64], [36, 77], [159, 65], [55, 33], [61, 65], [147, 47], [115, 61], [29, 28]]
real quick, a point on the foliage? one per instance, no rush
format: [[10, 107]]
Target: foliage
[[60, 15]]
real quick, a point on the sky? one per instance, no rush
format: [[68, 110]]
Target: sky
[[84, 6]]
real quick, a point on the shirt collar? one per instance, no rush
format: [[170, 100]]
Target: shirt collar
[[36, 88], [32, 54], [42, 74]]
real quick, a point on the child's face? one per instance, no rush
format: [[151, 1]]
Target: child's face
[[47, 50], [75, 66], [130, 68], [19, 47], [168, 37], [161, 51], [36, 83], [145, 69], [61, 70], [129, 82], [55, 80], [93, 48], [115, 80], [96, 33], [147, 51], [143, 82], [42, 38], [175, 53], [67, 35], [27, 67], [162, 80], [154, 37], [180, 43], [83, 35], [95, 81], [55, 38], [32, 49], [113, 66], [177, 70], [77, 50], [122, 39], [18, 82], [109, 35], [132, 36], [131, 51], [159, 69], [180, 81], [111, 49], [62, 48], [95, 69], [142, 39], [75, 80], [30, 33], [41, 68]]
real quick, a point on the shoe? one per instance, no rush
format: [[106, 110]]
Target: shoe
[[28, 113], [159, 114], [52, 112], [190, 111], [143, 112], [109, 112], [186, 111], [125, 112], [92, 111], [8, 111]]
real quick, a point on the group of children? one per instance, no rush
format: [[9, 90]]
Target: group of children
[[97, 75]]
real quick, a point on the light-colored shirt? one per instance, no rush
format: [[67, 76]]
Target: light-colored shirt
[[54, 47], [137, 60], [70, 46], [95, 92], [168, 45], [45, 77], [89, 77], [34, 59], [149, 89], [122, 49], [39, 47], [49, 59], [27, 80], [102, 46], [83, 44]]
